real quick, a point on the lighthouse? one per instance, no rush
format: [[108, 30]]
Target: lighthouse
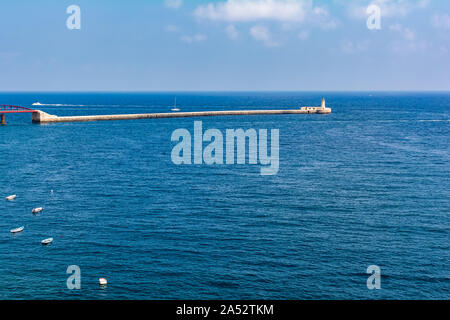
[[322, 109]]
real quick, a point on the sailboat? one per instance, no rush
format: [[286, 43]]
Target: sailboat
[[175, 108]]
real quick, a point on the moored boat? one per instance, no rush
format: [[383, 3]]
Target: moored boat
[[47, 241], [17, 230], [37, 210]]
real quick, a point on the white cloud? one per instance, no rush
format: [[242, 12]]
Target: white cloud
[[287, 12], [409, 47], [192, 39], [406, 33], [232, 32], [389, 8], [303, 35], [441, 21], [409, 44], [262, 34], [349, 47], [253, 10], [322, 18], [443, 50], [172, 28], [174, 4]]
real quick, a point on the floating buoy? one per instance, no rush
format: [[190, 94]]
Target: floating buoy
[[17, 230], [37, 210], [10, 198], [102, 281], [47, 241]]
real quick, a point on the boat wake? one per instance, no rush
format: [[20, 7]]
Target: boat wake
[[59, 105]]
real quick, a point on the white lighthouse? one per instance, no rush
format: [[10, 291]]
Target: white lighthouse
[[322, 109]]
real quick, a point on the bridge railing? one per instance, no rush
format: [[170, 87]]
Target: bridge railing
[[4, 108]]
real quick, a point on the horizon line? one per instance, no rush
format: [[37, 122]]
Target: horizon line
[[234, 91]]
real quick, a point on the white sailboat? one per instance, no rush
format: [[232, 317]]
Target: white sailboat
[[175, 108]]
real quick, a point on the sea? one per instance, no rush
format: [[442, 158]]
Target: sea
[[368, 185]]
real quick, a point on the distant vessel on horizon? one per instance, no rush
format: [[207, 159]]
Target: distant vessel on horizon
[[37, 104], [175, 108]]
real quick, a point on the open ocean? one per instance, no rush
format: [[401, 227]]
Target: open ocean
[[366, 185]]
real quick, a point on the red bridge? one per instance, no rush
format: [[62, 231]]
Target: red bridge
[[12, 109]]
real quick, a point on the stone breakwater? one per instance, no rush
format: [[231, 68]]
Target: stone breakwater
[[42, 117]]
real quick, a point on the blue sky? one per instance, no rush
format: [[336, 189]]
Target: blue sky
[[226, 45]]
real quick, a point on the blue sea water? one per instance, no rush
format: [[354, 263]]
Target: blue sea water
[[366, 185]]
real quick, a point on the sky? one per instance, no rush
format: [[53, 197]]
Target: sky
[[225, 45]]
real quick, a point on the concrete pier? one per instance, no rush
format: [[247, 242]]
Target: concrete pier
[[42, 117]]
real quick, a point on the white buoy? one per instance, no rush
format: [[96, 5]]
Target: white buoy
[[37, 210], [10, 198], [102, 281], [17, 230], [47, 241]]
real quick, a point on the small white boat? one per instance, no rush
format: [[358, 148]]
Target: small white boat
[[37, 210], [102, 281], [175, 108], [37, 104], [47, 241], [11, 198], [17, 230]]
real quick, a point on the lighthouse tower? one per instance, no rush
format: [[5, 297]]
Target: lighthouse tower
[[323, 103]]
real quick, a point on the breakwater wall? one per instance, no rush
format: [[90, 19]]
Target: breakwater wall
[[42, 117]]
